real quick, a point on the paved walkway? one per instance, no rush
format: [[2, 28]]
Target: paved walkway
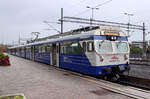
[[40, 81]]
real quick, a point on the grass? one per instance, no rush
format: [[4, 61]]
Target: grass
[[12, 97]]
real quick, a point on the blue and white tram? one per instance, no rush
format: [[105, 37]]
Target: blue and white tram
[[100, 52]]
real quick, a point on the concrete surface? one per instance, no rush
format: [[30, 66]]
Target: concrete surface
[[40, 81], [142, 71]]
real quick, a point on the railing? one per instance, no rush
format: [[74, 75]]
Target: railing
[[139, 56]]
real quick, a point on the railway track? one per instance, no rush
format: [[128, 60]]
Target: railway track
[[135, 82]]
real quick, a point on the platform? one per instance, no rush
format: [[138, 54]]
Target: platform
[[41, 81]]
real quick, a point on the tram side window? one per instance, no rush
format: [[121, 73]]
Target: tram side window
[[22, 50], [36, 49], [42, 48], [75, 48], [72, 48], [39, 49], [48, 49], [28, 49], [90, 46]]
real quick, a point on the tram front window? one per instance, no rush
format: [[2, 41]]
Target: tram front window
[[104, 46], [121, 46]]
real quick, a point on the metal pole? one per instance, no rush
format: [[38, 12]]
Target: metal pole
[[92, 13], [91, 18], [128, 25], [61, 20], [128, 28], [144, 43], [19, 39]]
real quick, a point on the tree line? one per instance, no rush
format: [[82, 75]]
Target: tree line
[[138, 50]]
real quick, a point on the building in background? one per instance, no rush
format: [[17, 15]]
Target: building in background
[[140, 43]]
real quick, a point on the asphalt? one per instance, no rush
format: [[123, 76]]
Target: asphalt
[[41, 81]]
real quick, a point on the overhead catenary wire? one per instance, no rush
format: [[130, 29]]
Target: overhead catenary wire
[[93, 7], [54, 22], [103, 3], [109, 22], [100, 23], [51, 26]]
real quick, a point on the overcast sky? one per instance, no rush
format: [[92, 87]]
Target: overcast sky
[[26, 16]]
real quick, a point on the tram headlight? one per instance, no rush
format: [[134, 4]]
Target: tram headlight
[[113, 38], [101, 58]]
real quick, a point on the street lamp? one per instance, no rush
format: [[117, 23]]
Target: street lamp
[[129, 15], [92, 8]]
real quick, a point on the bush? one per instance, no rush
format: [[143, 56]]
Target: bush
[[4, 59], [12, 97], [148, 49], [135, 50]]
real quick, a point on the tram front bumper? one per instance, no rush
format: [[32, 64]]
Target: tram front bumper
[[119, 69]]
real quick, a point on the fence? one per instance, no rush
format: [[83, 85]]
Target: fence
[[140, 56]]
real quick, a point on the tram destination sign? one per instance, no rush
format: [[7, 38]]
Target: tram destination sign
[[111, 33]]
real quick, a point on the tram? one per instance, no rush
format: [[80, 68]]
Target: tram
[[97, 51]]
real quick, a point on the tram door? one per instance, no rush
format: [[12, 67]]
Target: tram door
[[32, 53], [54, 50], [55, 55]]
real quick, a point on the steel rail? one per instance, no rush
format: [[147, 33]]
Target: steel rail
[[135, 81]]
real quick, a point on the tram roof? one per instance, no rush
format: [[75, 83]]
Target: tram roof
[[60, 39], [77, 34]]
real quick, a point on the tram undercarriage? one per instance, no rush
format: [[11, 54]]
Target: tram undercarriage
[[114, 73]]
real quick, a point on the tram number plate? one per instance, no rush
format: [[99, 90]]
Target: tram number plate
[[121, 67]]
